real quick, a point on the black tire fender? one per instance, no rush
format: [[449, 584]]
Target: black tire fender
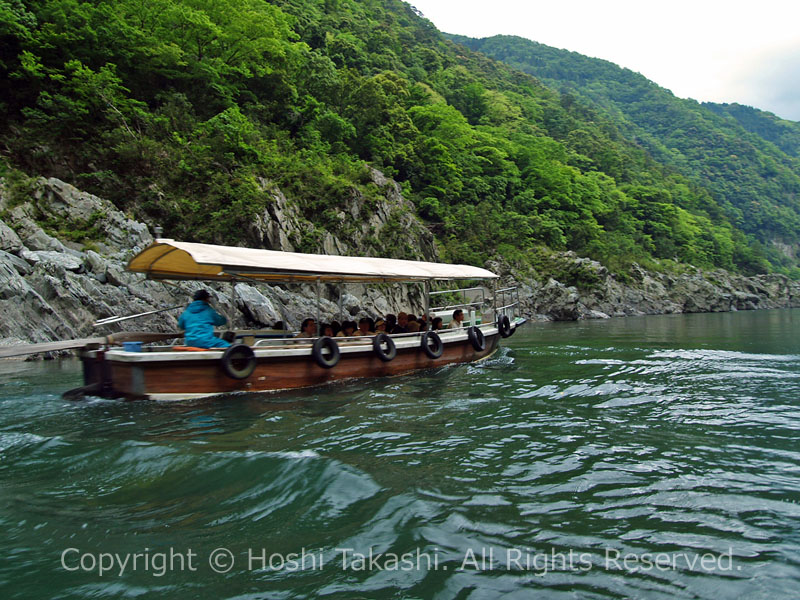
[[476, 338], [329, 344], [513, 330], [504, 326], [377, 347], [238, 361], [432, 351]]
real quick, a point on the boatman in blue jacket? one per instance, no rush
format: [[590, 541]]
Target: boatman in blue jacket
[[198, 322]]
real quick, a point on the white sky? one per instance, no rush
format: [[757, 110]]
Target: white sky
[[710, 50]]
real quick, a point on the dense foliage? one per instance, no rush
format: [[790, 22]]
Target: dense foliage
[[747, 159], [185, 112], [784, 134]]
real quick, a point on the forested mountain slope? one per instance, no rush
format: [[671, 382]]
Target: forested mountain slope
[[186, 113], [748, 159], [784, 134]]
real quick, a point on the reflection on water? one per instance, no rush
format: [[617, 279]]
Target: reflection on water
[[653, 458]]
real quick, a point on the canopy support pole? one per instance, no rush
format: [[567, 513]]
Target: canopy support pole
[[494, 294], [341, 293], [319, 285], [427, 304], [232, 297]]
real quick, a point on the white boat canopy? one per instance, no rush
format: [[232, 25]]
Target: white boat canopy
[[168, 259]]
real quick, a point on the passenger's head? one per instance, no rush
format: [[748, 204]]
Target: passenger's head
[[309, 327], [436, 323], [380, 325], [327, 330], [402, 319], [201, 295], [458, 315], [363, 325], [348, 327], [413, 326], [336, 326], [391, 321]]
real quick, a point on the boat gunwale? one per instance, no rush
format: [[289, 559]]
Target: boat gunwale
[[411, 341]]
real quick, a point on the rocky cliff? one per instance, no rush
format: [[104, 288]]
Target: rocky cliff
[[63, 254], [587, 290], [387, 227]]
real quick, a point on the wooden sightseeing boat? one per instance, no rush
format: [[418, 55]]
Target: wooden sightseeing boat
[[281, 363]]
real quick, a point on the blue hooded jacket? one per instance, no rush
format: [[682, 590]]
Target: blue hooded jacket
[[198, 322]]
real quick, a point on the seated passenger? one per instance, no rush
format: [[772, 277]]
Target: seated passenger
[[198, 322], [436, 324], [458, 319], [364, 327], [402, 323], [327, 330], [391, 323], [413, 327], [337, 327], [380, 326], [348, 329], [308, 329]]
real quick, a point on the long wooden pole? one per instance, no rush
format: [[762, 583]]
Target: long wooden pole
[[115, 338], [109, 320]]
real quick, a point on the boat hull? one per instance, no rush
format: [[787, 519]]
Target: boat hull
[[166, 375]]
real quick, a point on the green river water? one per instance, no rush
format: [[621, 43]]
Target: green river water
[[654, 457]]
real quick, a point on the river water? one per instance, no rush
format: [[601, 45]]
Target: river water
[[654, 457]]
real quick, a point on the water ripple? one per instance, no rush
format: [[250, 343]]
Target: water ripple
[[565, 466]]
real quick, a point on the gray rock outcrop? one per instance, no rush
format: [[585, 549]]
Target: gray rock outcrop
[[600, 294], [53, 288], [387, 227]]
